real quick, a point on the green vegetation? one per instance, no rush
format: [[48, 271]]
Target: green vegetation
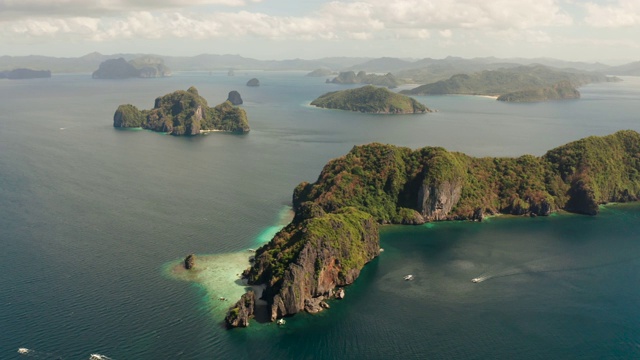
[[183, 113], [560, 91], [386, 180], [523, 83], [350, 77], [370, 99], [335, 240]]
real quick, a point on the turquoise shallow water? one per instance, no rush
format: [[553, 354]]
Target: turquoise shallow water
[[90, 216]]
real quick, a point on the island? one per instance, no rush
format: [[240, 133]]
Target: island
[[370, 99], [234, 98], [17, 74], [517, 84], [141, 67], [334, 232], [350, 77], [183, 113], [253, 82]]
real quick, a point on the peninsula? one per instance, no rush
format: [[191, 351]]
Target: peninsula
[[183, 113], [335, 229], [518, 84], [370, 99]]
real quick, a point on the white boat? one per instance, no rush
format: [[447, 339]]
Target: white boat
[[476, 280], [23, 351], [280, 322], [408, 277], [97, 357]]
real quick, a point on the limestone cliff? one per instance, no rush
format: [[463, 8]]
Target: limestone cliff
[[183, 113], [307, 260]]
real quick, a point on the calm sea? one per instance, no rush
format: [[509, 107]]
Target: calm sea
[[90, 216]]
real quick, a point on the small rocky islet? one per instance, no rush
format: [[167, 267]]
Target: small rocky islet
[[183, 113], [335, 230]]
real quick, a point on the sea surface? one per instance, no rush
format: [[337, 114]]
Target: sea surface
[[94, 219]]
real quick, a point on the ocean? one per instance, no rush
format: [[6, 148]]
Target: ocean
[[93, 221]]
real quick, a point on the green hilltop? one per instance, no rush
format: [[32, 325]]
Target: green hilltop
[[183, 113], [370, 99]]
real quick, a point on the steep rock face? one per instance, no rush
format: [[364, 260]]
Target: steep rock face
[[306, 261], [436, 202], [234, 98], [240, 314]]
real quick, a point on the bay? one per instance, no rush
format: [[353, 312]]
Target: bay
[[90, 216]]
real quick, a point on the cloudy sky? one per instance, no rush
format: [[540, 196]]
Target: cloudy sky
[[591, 30]]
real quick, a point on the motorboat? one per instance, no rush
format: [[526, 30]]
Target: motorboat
[[23, 351], [408, 277], [476, 280], [280, 322]]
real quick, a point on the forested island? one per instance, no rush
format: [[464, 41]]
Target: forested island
[[183, 113], [350, 77], [370, 99], [335, 228], [17, 74], [518, 84], [141, 67]]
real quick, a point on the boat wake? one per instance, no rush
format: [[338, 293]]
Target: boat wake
[[545, 266], [34, 354]]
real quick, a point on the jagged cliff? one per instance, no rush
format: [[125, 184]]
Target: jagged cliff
[[307, 260], [334, 232], [183, 113]]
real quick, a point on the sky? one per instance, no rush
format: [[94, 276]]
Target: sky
[[593, 30]]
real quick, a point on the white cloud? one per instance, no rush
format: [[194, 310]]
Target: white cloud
[[345, 19], [623, 13]]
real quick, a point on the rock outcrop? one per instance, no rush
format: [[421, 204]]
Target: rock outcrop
[[234, 98], [183, 113], [253, 82], [240, 314], [190, 261], [307, 260]]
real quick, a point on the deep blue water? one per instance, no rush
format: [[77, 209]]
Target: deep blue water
[[89, 215]]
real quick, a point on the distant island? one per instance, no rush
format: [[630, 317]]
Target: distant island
[[141, 67], [253, 82], [17, 74], [370, 99], [350, 77], [321, 72], [334, 232], [518, 84], [183, 113]]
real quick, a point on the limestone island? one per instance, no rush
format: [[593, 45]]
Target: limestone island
[[520, 84], [142, 67], [234, 98], [183, 113], [350, 77], [17, 74], [334, 232], [253, 82], [370, 99]]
